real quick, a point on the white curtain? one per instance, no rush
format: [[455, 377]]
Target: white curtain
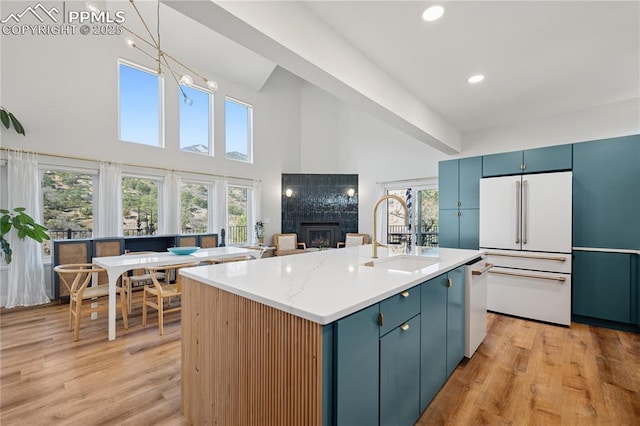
[[108, 221], [220, 206], [26, 286], [171, 196], [256, 207]]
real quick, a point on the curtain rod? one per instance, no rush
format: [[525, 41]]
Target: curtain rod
[[407, 180], [72, 157]]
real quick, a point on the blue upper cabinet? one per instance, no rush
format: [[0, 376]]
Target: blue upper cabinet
[[547, 159], [459, 183], [606, 193], [506, 163]]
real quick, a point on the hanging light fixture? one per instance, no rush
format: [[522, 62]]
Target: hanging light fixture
[[162, 58]]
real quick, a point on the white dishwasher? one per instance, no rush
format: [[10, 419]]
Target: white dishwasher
[[475, 304]]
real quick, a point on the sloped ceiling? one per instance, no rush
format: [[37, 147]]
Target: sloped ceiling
[[540, 58]]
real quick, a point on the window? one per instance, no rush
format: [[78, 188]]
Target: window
[[423, 216], [237, 202], [139, 206], [140, 105], [195, 208], [195, 121], [68, 205], [238, 130]]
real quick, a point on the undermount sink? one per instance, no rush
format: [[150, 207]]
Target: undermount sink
[[403, 263]]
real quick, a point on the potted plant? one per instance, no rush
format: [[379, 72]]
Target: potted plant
[[259, 228], [23, 224]]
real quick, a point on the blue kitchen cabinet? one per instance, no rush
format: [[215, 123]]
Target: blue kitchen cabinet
[[455, 318], [442, 331], [536, 160], [398, 309], [604, 287], [459, 228], [459, 183], [399, 378], [433, 344], [356, 368], [459, 200], [606, 194]]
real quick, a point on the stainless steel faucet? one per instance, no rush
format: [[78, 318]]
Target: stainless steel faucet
[[375, 219]]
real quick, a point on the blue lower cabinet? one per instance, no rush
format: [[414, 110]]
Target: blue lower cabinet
[[356, 368], [433, 342], [455, 318], [603, 287], [399, 375]]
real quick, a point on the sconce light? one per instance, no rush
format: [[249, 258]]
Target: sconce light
[[351, 192], [288, 192]]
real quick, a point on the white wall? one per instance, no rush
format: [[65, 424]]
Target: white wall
[[64, 91], [319, 131], [619, 119]]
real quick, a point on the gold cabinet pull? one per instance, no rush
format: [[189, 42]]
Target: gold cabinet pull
[[404, 326], [449, 282], [404, 294], [526, 256], [539, 277], [380, 319]]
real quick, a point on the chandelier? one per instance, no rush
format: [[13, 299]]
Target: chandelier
[[160, 57]]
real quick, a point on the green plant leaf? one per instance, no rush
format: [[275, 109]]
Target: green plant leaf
[[19, 209], [16, 124], [4, 117]]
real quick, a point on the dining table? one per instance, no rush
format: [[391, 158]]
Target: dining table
[[118, 265]]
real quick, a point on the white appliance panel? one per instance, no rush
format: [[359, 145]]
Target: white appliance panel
[[546, 212], [542, 296], [536, 261], [475, 306], [499, 212]]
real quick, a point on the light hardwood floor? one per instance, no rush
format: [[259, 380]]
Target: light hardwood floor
[[524, 373]]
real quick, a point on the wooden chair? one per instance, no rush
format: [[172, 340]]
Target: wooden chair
[[137, 280], [80, 275], [288, 244], [162, 289], [353, 239]]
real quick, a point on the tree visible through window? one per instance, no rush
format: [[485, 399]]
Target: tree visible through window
[[237, 214], [238, 130], [139, 206], [140, 106], [68, 205], [195, 208]]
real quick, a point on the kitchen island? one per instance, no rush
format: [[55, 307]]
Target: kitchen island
[[289, 340]]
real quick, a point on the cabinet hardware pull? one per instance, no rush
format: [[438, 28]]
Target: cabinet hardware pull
[[518, 212], [380, 319], [459, 203], [540, 277], [487, 266], [459, 214], [404, 294], [557, 258], [525, 206], [404, 326], [449, 282]]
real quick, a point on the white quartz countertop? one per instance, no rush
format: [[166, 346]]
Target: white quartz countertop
[[324, 286]]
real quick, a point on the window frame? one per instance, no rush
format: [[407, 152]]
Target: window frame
[[249, 209], [210, 124], [249, 107], [161, 101], [159, 201], [210, 200]]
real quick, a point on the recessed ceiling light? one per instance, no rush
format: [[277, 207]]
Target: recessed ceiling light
[[476, 78], [433, 13]]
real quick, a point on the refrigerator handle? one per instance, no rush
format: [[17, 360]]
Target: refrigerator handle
[[518, 212], [525, 199]]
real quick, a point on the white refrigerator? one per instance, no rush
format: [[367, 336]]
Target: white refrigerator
[[525, 227]]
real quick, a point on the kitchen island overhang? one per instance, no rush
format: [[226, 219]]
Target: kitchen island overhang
[[255, 347]]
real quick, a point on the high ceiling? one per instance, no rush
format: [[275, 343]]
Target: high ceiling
[[540, 58]]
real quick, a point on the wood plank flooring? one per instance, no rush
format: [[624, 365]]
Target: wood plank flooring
[[524, 373]]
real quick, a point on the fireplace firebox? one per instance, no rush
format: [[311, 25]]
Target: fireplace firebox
[[319, 234]]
